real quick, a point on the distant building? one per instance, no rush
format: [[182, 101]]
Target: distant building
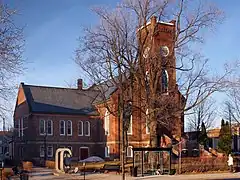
[[213, 134]]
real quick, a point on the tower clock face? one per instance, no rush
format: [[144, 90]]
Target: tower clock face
[[146, 52], [164, 51]]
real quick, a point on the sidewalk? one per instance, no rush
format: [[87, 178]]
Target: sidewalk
[[46, 174]]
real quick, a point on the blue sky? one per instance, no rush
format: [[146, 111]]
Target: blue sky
[[53, 26], [51, 31]]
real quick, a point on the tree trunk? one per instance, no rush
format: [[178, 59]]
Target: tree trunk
[[153, 127], [123, 155]]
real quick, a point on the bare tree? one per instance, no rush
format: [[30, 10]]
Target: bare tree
[[121, 51], [203, 113], [11, 61], [231, 110]]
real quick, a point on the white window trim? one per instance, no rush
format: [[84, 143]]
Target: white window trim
[[89, 128], [44, 127], [128, 151], [130, 126], [51, 127], [107, 125], [42, 147], [147, 123], [69, 121], [64, 128], [107, 151], [81, 128], [51, 155]]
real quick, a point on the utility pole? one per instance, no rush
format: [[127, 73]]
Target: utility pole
[[230, 123], [45, 148]]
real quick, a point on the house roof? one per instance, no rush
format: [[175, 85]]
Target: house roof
[[106, 89], [42, 99], [213, 133]]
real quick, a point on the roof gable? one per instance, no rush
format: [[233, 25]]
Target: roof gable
[[21, 98]]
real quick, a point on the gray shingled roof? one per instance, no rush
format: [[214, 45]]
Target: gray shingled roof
[[60, 100], [106, 89]]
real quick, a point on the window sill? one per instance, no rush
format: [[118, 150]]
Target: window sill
[[80, 134]]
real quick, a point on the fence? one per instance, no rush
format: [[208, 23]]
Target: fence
[[202, 164]]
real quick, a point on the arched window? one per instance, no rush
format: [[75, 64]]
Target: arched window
[[147, 122], [80, 128], [50, 127], [87, 128], [62, 127], [41, 127], [129, 151], [164, 81], [69, 128], [130, 126], [106, 122]]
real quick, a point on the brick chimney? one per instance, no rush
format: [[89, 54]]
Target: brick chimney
[[80, 84], [153, 20]]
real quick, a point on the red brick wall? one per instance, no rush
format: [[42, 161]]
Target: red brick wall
[[95, 142]]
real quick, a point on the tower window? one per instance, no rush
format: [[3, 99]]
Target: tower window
[[164, 81]]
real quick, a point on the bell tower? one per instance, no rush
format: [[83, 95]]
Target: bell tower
[[157, 44], [158, 40]]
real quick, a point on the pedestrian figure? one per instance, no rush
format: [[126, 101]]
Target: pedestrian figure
[[230, 162]]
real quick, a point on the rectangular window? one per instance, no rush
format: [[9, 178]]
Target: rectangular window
[[42, 127], [50, 127], [130, 126], [107, 151], [80, 128], [147, 123], [62, 127], [69, 128], [41, 151], [50, 151], [106, 122]]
